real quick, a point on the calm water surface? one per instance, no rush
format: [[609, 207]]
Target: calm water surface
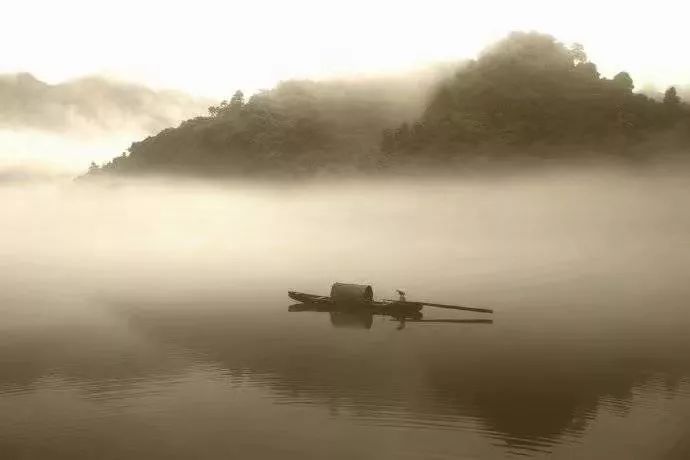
[[152, 321]]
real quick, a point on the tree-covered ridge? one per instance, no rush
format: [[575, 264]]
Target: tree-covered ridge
[[526, 90], [530, 89], [297, 127]]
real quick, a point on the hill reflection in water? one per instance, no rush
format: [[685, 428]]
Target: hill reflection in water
[[522, 384]]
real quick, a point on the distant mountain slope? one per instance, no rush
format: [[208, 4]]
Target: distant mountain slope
[[90, 103]]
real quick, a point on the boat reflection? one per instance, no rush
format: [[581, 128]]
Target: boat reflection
[[341, 318], [356, 320], [363, 319]]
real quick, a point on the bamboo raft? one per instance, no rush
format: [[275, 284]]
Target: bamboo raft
[[360, 297]]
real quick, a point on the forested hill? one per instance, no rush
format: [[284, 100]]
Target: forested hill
[[529, 90], [525, 92], [297, 127]]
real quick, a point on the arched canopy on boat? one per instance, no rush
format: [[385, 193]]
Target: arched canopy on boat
[[341, 292]]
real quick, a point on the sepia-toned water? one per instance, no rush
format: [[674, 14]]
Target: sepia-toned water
[[150, 320]]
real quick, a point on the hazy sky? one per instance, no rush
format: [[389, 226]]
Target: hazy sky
[[211, 47]]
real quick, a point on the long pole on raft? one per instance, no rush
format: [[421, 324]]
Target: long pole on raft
[[457, 307], [454, 321], [440, 305]]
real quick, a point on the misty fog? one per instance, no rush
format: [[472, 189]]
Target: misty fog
[[158, 236], [94, 103], [49, 130]]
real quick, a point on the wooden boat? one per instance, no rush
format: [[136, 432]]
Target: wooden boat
[[382, 307], [309, 298], [360, 297]]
